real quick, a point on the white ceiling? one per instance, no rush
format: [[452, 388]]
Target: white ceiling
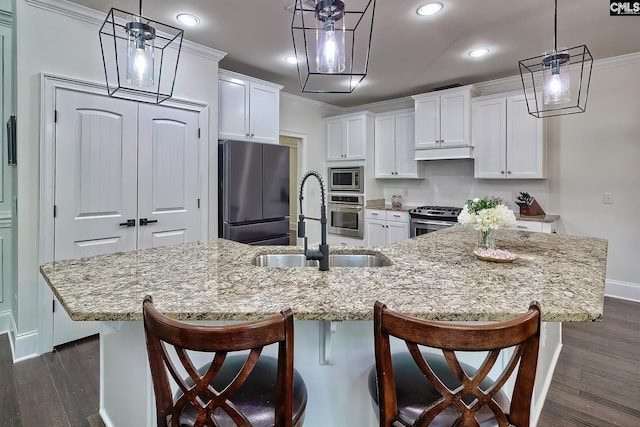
[[409, 54]]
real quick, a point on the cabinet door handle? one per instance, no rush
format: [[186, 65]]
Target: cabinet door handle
[[502, 172], [252, 135], [374, 213], [396, 215], [523, 227], [247, 135], [129, 223], [508, 172]]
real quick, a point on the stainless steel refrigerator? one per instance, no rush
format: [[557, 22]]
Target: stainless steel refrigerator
[[253, 192]]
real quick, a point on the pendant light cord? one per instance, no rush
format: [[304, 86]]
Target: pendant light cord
[[555, 25], [141, 7]]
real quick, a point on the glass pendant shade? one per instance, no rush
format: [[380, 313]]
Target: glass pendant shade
[[332, 43], [330, 48], [140, 59], [140, 56], [557, 81]]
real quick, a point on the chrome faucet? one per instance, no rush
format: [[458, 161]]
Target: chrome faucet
[[322, 254]]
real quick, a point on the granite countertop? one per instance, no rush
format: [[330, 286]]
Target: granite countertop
[[382, 205], [538, 218], [434, 276]]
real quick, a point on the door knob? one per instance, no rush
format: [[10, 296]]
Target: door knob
[[129, 223], [145, 221]]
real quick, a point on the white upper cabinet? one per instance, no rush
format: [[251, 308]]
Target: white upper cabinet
[[509, 142], [346, 136], [395, 146], [443, 123], [249, 109]]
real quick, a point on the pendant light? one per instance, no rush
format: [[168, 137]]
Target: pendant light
[[140, 56], [557, 82], [333, 43]]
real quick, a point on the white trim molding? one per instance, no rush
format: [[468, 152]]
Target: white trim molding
[[23, 346], [515, 82], [309, 101], [6, 322], [622, 290], [92, 16], [26, 346]]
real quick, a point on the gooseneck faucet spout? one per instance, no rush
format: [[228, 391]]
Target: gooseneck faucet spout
[[322, 254]]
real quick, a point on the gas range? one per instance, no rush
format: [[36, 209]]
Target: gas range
[[442, 213], [426, 219]]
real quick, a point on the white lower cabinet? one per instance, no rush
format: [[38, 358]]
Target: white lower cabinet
[[336, 240], [537, 226], [383, 228]]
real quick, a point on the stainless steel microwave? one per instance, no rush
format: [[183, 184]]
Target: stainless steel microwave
[[349, 179]]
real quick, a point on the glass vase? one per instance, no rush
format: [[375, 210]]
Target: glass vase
[[486, 239]]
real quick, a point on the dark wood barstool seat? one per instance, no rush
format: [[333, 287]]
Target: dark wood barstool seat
[[256, 396], [415, 393], [418, 388], [239, 387]]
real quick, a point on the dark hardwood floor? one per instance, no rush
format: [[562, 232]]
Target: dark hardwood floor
[[596, 382], [597, 379], [57, 389]]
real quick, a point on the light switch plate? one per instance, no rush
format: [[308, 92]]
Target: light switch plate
[[607, 198]]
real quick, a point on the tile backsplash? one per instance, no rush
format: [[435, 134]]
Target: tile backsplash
[[451, 183]]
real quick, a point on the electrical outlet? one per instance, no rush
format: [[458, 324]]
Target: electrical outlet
[[406, 192], [607, 198]]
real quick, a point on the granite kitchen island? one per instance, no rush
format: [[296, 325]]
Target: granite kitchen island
[[434, 276]]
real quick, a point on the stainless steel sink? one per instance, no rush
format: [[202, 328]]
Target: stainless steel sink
[[335, 260]]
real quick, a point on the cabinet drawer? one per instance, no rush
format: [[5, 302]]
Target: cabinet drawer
[[385, 215], [529, 226], [399, 216], [375, 214]]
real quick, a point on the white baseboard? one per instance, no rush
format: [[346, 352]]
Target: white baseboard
[[26, 346], [6, 322], [105, 418], [622, 290]]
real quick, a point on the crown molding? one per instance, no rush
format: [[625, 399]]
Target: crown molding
[[298, 98], [614, 61], [515, 82], [386, 105], [92, 16]]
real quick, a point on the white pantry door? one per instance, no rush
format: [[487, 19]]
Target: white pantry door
[[127, 177], [168, 176], [95, 188]]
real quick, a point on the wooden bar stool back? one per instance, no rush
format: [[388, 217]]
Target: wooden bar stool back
[[246, 390], [421, 388]]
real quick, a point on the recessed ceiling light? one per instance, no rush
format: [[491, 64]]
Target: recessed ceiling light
[[291, 59], [429, 9], [188, 19], [477, 53]]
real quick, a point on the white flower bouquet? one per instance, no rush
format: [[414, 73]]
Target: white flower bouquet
[[486, 214]]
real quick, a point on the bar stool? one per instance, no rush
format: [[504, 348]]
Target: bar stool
[[247, 390], [419, 388]]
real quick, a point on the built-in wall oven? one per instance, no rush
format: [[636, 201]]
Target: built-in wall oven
[[345, 215], [427, 219], [346, 179]]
